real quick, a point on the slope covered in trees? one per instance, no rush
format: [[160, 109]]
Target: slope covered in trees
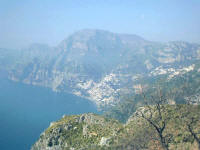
[[179, 125]]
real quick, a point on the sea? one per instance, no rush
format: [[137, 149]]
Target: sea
[[26, 111]]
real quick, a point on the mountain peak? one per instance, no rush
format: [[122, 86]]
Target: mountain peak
[[87, 37]]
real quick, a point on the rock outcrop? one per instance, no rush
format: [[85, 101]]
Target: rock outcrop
[[95, 132], [77, 132]]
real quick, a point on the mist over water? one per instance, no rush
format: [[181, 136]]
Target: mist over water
[[26, 111]]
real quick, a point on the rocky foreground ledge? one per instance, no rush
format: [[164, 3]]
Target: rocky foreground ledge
[[84, 131], [95, 132]]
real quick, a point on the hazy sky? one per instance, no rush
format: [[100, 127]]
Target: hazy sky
[[23, 22]]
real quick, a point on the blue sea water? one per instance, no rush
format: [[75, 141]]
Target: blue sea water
[[26, 111]]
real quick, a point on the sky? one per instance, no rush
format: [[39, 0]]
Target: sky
[[23, 22]]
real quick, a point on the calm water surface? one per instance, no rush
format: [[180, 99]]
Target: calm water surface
[[25, 111]]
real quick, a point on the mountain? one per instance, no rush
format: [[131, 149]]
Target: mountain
[[90, 131], [97, 64]]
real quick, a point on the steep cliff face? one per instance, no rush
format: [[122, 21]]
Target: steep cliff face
[[96, 64]]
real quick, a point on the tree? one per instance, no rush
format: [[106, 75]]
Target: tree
[[157, 114], [192, 121], [194, 133]]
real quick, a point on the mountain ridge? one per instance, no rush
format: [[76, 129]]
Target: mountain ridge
[[96, 64]]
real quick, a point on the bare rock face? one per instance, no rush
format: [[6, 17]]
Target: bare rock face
[[104, 141]]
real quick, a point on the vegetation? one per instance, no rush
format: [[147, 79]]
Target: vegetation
[[191, 119], [154, 127], [158, 117], [168, 115], [178, 90]]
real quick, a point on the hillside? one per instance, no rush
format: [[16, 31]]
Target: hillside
[[179, 87], [98, 65], [90, 131]]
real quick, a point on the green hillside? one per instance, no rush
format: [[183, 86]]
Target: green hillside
[[89, 131]]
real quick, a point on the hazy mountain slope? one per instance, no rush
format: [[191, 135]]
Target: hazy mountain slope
[[180, 86], [96, 64]]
